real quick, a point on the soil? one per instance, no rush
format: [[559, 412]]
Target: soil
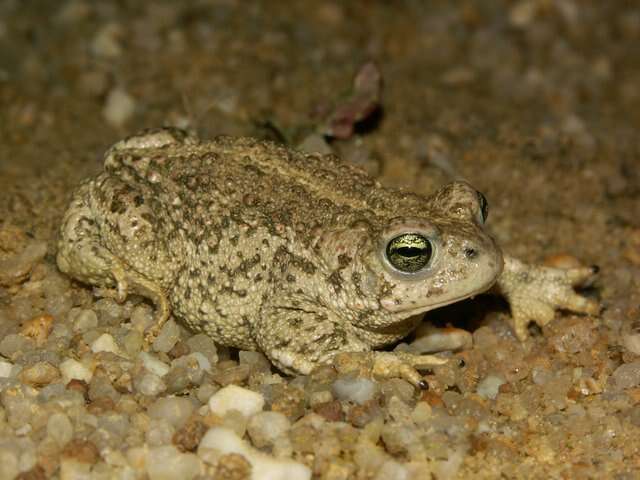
[[536, 103]]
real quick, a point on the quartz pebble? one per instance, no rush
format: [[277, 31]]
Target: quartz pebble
[[168, 463], [430, 339], [73, 369], [105, 343], [265, 427], [5, 369], [60, 428], [119, 107], [150, 384], [358, 390], [232, 397], [153, 364], [84, 320], [488, 387], [41, 373], [167, 338], [221, 441], [626, 376], [175, 410], [204, 345]]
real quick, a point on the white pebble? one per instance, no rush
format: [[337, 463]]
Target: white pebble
[[357, 390], [86, 319], [59, 428], [153, 364], [5, 369], [119, 107], [150, 384], [167, 338], [203, 362], [106, 42], [141, 317], [73, 369], [232, 397], [430, 339], [105, 343], [221, 441], [175, 410], [265, 427], [159, 432], [168, 463], [489, 386], [392, 470]]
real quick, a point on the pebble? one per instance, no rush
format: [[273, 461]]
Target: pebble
[[109, 311], [204, 345], [232, 397], [106, 42], [256, 361], [8, 463], [626, 376], [60, 429], [16, 268], [265, 427], [222, 441], [38, 328], [14, 345], [430, 339], [119, 107], [41, 373], [85, 320], [315, 143], [149, 384], [175, 410], [392, 470], [632, 343], [167, 338], [159, 432], [168, 463], [357, 390], [73, 369], [105, 343], [231, 374], [141, 317], [5, 369], [489, 386], [153, 364]]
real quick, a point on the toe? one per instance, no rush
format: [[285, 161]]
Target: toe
[[580, 276]]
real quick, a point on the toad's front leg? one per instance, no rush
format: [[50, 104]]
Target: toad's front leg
[[535, 292], [300, 336]]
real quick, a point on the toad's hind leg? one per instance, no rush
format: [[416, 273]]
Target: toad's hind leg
[[82, 255]]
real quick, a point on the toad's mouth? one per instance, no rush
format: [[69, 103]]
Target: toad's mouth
[[388, 302]]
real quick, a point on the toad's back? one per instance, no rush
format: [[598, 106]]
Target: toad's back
[[218, 224]]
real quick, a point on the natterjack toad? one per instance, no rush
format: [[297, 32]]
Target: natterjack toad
[[299, 256]]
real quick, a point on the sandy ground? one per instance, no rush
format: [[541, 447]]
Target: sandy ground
[[536, 103]]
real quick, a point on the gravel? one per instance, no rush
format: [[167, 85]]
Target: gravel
[[509, 98]]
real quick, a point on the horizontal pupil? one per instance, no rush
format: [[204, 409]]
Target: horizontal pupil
[[411, 251]]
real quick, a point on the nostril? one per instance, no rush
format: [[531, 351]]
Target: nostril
[[470, 253]]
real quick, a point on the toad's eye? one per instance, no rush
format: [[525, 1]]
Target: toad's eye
[[484, 207], [409, 252]]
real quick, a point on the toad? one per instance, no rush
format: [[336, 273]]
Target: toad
[[300, 256]]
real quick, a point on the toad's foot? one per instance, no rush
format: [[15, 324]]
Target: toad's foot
[[388, 365], [535, 292], [128, 281], [300, 339]]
